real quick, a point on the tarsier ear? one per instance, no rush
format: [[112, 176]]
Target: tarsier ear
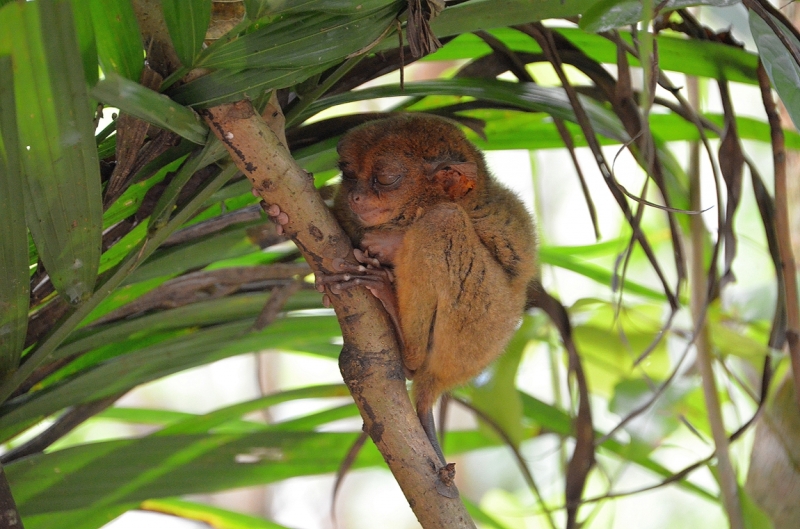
[[456, 178]]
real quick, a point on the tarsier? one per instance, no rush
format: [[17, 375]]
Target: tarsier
[[446, 248]]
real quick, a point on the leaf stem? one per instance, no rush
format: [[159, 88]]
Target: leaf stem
[[698, 279]]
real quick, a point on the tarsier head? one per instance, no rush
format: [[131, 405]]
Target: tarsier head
[[393, 169]]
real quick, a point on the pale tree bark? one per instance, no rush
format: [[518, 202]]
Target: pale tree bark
[[370, 360]]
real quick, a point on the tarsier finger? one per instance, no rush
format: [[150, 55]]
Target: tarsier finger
[[363, 256], [275, 214]]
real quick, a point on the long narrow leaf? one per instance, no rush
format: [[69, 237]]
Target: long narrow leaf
[[14, 286], [692, 57], [120, 472], [121, 373], [521, 95], [597, 273], [213, 516], [303, 39], [119, 42], [187, 22], [100, 475], [226, 85], [611, 14], [205, 423], [86, 40], [476, 15], [62, 199], [270, 8], [143, 103]]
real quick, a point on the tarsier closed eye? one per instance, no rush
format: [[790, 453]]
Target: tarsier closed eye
[[387, 179]]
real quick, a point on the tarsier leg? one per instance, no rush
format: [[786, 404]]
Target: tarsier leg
[[454, 301]]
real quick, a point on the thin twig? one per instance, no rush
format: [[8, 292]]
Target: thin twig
[[545, 39], [699, 302], [782, 227], [277, 299], [66, 423]]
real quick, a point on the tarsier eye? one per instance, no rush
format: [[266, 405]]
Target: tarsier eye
[[387, 179]]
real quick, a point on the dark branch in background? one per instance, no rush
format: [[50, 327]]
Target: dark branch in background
[[132, 153], [544, 38], [375, 66], [207, 285], [344, 468], [277, 299], [245, 215], [766, 208], [583, 455], [789, 270], [731, 165], [313, 133], [730, 155], [516, 64], [9, 515], [570, 145], [181, 291], [67, 422], [624, 100]]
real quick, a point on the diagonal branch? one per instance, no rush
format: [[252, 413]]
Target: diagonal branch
[[370, 361]]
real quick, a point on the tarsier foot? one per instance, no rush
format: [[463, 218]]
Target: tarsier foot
[[367, 273], [351, 275]]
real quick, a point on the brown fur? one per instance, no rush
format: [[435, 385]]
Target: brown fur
[[417, 195]]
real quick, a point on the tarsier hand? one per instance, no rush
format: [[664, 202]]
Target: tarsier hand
[[383, 245]]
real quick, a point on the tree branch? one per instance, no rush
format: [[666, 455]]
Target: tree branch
[[9, 515], [370, 360]]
